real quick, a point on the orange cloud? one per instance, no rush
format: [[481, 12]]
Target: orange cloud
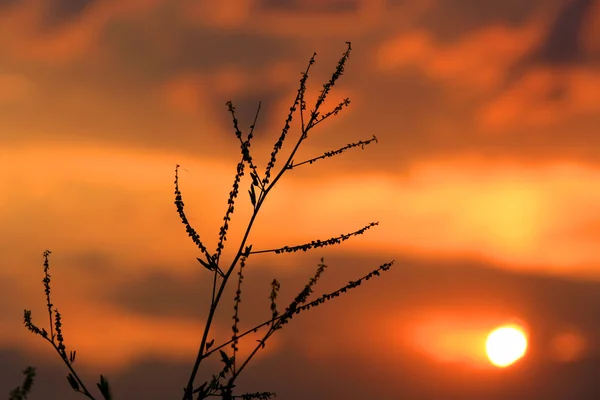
[[316, 23], [218, 14], [185, 93], [530, 101], [478, 62], [68, 41], [591, 30]]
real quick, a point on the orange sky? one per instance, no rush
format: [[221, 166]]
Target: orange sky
[[485, 183]]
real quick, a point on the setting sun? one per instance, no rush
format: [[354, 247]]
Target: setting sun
[[505, 345]]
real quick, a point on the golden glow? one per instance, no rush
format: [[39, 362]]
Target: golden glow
[[505, 345]]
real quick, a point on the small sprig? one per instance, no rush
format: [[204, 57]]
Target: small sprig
[[302, 296], [350, 285], [237, 300], [339, 71], [334, 152], [46, 281], [57, 340], [29, 325], [179, 204], [279, 144], [335, 111], [230, 202], [275, 286], [20, 393], [257, 395], [245, 145], [59, 336], [316, 243], [246, 157], [209, 263]]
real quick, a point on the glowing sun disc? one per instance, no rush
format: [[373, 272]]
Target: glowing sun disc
[[505, 345]]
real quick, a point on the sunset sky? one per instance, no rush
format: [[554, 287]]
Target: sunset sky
[[485, 182]]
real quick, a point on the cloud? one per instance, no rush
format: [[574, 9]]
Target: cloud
[[55, 13], [590, 33], [185, 93], [471, 64], [222, 14], [60, 32], [332, 18], [563, 41], [544, 97]]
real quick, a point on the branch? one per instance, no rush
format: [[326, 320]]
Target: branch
[[335, 111], [316, 243], [188, 228], [279, 144], [338, 151], [72, 378], [245, 145]]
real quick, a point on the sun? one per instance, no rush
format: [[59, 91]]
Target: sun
[[505, 345]]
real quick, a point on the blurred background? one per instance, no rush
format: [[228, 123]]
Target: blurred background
[[484, 182]]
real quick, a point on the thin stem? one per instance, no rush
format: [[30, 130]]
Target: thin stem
[[316, 243], [47, 290], [271, 330], [85, 391], [334, 152], [214, 305]]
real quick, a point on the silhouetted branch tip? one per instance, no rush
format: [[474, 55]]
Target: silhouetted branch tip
[[317, 243]]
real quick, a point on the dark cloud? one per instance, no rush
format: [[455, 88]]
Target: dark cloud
[[563, 42], [323, 6], [162, 294], [126, 86], [451, 20], [203, 50], [57, 13], [93, 262], [136, 55], [6, 4], [246, 105]]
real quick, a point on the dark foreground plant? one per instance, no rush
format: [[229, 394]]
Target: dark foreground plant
[[223, 383], [20, 393]]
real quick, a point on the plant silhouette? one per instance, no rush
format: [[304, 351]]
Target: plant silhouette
[[222, 384]]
